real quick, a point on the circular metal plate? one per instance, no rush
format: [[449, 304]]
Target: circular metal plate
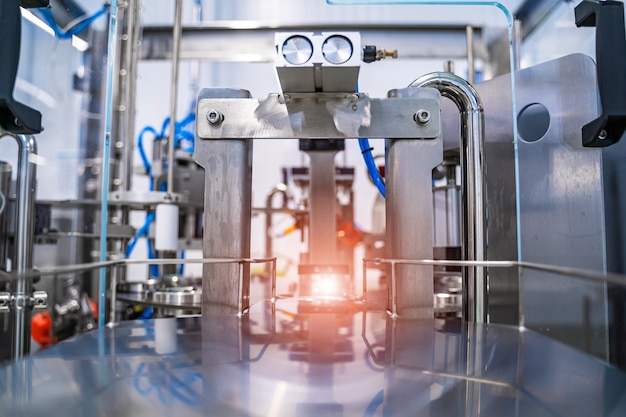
[[297, 50], [337, 49]]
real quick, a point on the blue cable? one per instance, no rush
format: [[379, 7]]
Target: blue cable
[[374, 404], [181, 267], [366, 151], [142, 152], [144, 232], [47, 16]]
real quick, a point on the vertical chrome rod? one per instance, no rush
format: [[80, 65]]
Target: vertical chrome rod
[[471, 68], [24, 241], [178, 16]]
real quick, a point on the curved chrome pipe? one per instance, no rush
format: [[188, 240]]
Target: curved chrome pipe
[[473, 188], [24, 241]]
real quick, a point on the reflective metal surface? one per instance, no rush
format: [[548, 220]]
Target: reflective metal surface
[[560, 200], [227, 162], [473, 185], [409, 216], [316, 116], [297, 50], [21, 286], [352, 364]]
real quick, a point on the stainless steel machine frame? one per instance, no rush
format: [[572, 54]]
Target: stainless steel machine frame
[[225, 125]]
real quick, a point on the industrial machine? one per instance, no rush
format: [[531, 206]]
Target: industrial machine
[[490, 282]]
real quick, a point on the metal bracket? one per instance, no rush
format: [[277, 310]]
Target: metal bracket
[[38, 301], [5, 302], [608, 18]]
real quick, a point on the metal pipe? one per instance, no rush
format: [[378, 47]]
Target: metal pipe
[[24, 241], [178, 16], [471, 71], [472, 185], [133, 25], [282, 190]]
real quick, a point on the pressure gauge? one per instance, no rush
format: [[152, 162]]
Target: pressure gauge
[[297, 50], [337, 49]]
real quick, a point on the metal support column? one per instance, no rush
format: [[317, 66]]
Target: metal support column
[[322, 212], [227, 207], [410, 214]]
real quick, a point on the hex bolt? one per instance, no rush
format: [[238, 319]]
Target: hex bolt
[[214, 117], [602, 135], [422, 116]]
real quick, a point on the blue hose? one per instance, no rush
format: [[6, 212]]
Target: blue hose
[[47, 16], [378, 180]]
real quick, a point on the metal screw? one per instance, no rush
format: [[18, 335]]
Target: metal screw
[[422, 116], [214, 117], [602, 135], [355, 107], [17, 122]]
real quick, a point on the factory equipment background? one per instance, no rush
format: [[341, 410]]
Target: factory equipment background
[[547, 208]]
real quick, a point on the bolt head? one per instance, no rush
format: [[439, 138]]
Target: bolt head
[[214, 117], [422, 116]]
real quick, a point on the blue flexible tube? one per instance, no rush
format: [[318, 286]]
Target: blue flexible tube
[[46, 14], [142, 152], [378, 180]]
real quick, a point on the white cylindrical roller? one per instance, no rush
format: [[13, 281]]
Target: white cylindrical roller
[[166, 230], [165, 336]]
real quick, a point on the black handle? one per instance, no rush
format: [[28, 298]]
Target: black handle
[[15, 117], [608, 18]]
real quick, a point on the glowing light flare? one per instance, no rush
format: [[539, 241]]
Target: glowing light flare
[[327, 285]]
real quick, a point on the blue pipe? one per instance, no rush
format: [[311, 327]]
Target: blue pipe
[[366, 151]]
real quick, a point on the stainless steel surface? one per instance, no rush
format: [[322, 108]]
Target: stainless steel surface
[[330, 68], [280, 189], [182, 295], [471, 71], [231, 366], [6, 171], [135, 287], [409, 211], [21, 286], [133, 30], [322, 209], [187, 302], [125, 91], [297, 50], [473, 183], [176, 35], [317, 116], [337, 49], [227, 201], [142, 199], [251, 41], [560, 202]]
